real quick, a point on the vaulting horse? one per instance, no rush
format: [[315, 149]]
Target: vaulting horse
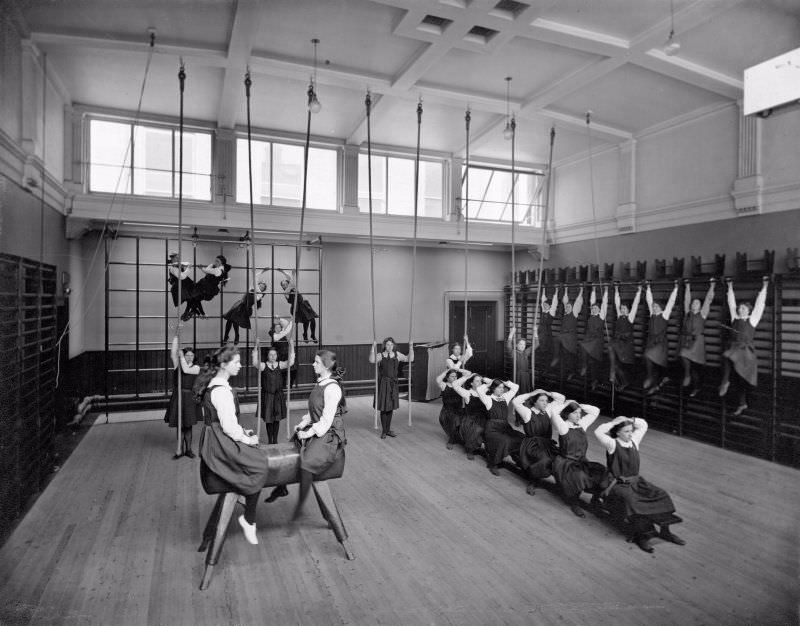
[[283, 463]]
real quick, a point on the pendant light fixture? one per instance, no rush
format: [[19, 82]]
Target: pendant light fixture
[[508, 131]]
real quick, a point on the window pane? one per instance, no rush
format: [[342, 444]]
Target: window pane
[[287, 173], [430, 189], [378, 184], [322, 179], [195, 186], [109, 156], [261, 172], [490, 195], [400, 199], [152, 161], [196, 152]]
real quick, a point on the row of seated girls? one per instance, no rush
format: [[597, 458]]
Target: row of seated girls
[[567, 349], [475, 414]]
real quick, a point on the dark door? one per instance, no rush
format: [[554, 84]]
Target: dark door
[[481, 328]]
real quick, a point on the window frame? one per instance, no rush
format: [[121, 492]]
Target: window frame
[[387, 154], [336, 148], [532, 223], [154, 124]]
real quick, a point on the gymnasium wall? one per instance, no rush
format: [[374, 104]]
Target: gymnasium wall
[[346, 289]]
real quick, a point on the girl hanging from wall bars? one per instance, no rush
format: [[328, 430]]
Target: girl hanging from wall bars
[[741, 352], [207, 288], [238, 316], [693, 342], [179, 271], [655, 355], [593, 340], [621, 350], [566, 344], [299, 307]]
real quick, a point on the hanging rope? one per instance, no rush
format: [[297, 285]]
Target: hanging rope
[[101, 240], [513, 248], [368, 104], [536, 312], [178, 430], [467, 120], [297, 256], [594, 228], [252, 250], [414, 256]]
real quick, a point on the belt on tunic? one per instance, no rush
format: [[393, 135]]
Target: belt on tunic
[[622, 480]]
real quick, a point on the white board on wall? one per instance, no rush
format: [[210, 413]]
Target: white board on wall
[[772, 83]]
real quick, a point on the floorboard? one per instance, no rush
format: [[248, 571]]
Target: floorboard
[[437, 538]]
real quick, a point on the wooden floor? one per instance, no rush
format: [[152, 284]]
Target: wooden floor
[[437, 538]]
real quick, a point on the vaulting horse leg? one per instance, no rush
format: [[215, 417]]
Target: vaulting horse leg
[[226, 511]]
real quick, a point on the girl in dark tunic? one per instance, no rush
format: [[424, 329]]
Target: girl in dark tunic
[[388, 400], [693, 342], [741, 353], [281, 329], [207, 288], [592, 346], [179, 272], [655, 355], [302, 312], [537, 449], [227, 451], [643, 503], [621, 350], [321, 431], [458, 358], [273, 403], [189, 410], [473, 422], [573, 471], [543, 340], [521, 353], [238, 316], [500, 438], [566, 343], [452, 404]]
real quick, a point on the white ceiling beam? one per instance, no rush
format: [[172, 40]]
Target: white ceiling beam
[[208, 57], [246, 24], [676, 67]]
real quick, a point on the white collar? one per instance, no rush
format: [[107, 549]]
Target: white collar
[[625, 444], [218, 381]]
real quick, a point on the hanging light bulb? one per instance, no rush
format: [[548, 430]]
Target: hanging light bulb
[[673, 46], [508, 131], [314, 105]]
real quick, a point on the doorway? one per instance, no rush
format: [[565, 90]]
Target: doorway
[[482, 331]]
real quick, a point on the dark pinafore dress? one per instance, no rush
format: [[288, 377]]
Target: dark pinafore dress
[[573, 471], [622, 344], [473, 424], [317, 454], [634, 494], [190, 411], [500, 438], [207, 288], [657, 340], [187, 289], [240, 312], [523, 360], [537, 449], [225, 464], [273, 405], [451, 413], [545, 333], [388, 390], [569, 333], [305, 312], [592, 342], [742, 352], [693, 341]]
